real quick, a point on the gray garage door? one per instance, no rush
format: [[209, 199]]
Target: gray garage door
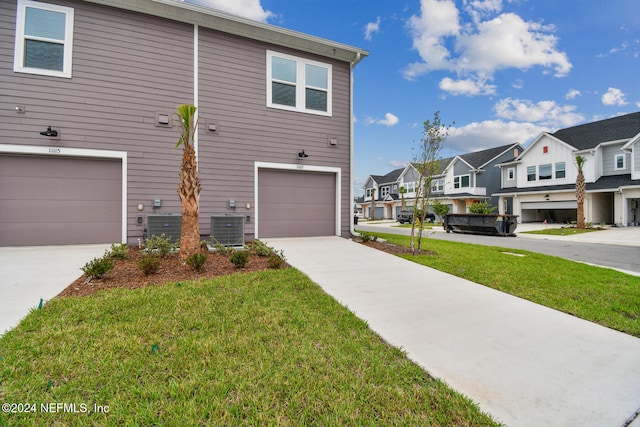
[[296, 204], [59, 200]]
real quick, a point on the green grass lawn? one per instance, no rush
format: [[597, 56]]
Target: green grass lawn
[[564, 231], [597, 294], [268, 348]]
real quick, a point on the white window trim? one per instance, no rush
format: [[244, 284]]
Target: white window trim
[[18, 58], [300, 84], [384, 191], [459, 178], [511, 174], [615, 162]]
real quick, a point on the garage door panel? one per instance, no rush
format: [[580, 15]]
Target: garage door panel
[[296, 204], [57, 200]]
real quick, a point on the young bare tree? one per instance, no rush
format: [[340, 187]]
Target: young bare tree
[[580, 190], [189, 187], [427, 163]]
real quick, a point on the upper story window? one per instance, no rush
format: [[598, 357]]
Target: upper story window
[[44, 39], [561, 170], [511, 174], [437, 185], [368, 192], [410, 187], [545, 172], [531, 173], [298, 84], [384, 191], [461, 181], [619, 161]]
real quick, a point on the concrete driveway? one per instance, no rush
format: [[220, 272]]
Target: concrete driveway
[[28, 274], [525, 364]]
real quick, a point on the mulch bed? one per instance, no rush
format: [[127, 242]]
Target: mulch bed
[[126, 274]]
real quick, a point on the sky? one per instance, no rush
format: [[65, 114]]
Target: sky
[[498, 71]]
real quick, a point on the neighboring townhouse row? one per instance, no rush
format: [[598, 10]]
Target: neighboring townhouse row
[[89, 91], [539, 184], [461, 180]]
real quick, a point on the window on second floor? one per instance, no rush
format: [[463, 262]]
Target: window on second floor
[[368, 192], [298, 84], [561, 170], [511, 174], [531, 173], [545, 171], [384, 191], [619, 162], [437, 185], [44, 39], [461, 181], [410, 186]]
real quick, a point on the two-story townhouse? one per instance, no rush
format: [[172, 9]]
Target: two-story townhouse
[[540, 183], [458, 182], [89, 91]]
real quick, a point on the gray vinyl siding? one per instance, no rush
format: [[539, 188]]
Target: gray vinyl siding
[[490, 176], [636, 157], [461, 168], [126, 66], [233, 94], [609, 154]]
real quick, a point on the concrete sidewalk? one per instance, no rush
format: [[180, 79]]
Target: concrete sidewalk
[[30, 273], [525, 364]]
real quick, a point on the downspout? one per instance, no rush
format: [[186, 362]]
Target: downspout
[[355, 62]]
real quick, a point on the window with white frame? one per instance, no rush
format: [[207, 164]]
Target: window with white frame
[[298, 84], [511, 174], [368, 192], [44, 39], [461, 181], [619, 162], [437, 185], [531, 173], [561, 170], [384, 191], [410, 186]]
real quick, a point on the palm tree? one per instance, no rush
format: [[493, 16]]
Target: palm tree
[[373, 204], [402, 192], [580, 190], [189, 187]]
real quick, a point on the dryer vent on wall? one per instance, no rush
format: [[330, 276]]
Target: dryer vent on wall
[[228, 230], [168, 224]]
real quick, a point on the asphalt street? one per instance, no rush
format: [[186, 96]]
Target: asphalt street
[[621, 257]]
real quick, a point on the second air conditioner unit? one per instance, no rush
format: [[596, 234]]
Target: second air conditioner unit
[[227, 230]]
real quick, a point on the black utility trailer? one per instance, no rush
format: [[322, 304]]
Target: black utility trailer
[[491, 224]]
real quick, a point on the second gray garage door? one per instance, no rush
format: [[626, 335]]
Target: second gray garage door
[[296, 204], [59, 200]]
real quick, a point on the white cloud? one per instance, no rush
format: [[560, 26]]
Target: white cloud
[[371, 28], [572, 94], [546, 113], [389, 120], [466, 87], [613, 97], [491, 133], [251, 9], [479, 48], [397, 163]]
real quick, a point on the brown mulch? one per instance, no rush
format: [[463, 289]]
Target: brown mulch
[[126, 274]]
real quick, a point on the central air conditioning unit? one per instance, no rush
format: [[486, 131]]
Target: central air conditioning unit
[[168, 224], [228, 230]]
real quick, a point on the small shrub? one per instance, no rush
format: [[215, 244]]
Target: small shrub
[[259, 248], [366, 237], [98, 267], [240, 259], [277, 259], [119, 252], [196, 261], [222, 249], [160, 244], [149, 263]]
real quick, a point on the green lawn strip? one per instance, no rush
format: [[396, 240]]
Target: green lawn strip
[[563, 231], [268, 348], [600, 295]]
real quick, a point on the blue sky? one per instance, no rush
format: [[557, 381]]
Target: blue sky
[[502, 71]]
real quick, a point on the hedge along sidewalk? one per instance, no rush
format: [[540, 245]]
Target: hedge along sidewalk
[[601, 295], [267, 348]]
